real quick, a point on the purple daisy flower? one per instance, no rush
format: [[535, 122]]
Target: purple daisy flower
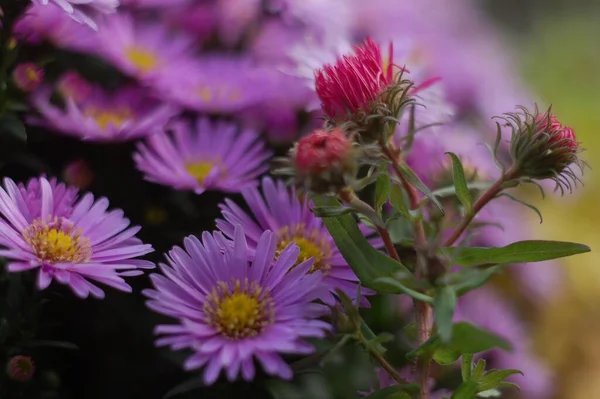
[[75, 242], [142, 49], [210, 156], [126, 114], [216, 84], [289, 216], [231, 310], [83, 10]]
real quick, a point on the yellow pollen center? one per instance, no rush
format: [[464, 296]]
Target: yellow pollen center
[[31, 74], [207, 94], [201, 170], [57, 242], [144, 60], [239, 309], [311, 244], [109, 117]]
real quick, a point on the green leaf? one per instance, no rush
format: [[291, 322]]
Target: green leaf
[[469, 339], [466, 390], [460, 184], [10, 124], [528, 205], [414, 180], [478, 370], [466, 280], [446, 356], [450, 190], [326, 211], [399, 201], [398, 287], [393, 392], [382, 192], [443, 310], [189, 385], [493, 378], [427, 349], [517, 252], [368, 263], [466, 366]]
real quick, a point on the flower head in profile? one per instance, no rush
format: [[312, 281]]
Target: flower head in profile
[[141, 49], [74, 241], [362, 89], [216, 84], [280, 210], [97, 115], [205, 156], [232, 311], [542, 147], [83, 11]]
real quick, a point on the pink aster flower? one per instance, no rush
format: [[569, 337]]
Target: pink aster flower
[[140, 48], [52, 24], [232, 309], [282, 211], [126, 114], [28, 76], [216, 84], [354, 82], [83, 10], [75, 242], [20, 368], [207, 156]]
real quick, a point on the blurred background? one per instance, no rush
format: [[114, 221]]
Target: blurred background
[[558, 56]]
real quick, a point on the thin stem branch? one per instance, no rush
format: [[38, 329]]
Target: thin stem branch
[[485, 198], [351, 198], [388, 367], [422, 309]]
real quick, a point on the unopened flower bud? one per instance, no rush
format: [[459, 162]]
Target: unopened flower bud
[[543, 148], [28, 76], [20, 368], [362, 91], [325, 161]]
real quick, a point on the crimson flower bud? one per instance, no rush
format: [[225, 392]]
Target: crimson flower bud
[[20, 368], [543, 148], [362, 91], [28, 76], [325, 161]]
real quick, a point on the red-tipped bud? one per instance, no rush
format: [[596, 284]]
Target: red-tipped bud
[[20, 368], [325, 161], [361, 89], [543, 148], [28, 76]]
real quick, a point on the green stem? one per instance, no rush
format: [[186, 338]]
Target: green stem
[[482, 201]]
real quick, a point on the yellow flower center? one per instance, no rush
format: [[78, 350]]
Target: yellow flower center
[[108, 117], [311, 243], [239, 312], [58, 241], [144, 60], [201, 170]]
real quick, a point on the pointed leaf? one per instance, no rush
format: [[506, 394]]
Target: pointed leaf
[[368, 263], [401, 288], [51, 344], [460, 184], [517, 252], [382, 192], [469, 339], [446, 356], [532, 207], [466, 390], [399, 201], [466, 280], [493, 378], [443, 308], [414, 180], [324, 211]]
